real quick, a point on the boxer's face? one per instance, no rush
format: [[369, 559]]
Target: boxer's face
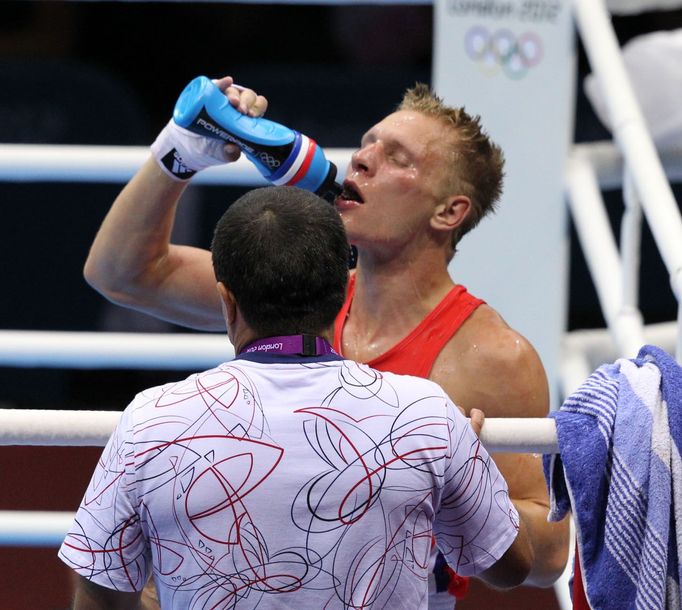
[[395, 180]]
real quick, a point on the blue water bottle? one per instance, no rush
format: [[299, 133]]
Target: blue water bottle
[[284, 156]]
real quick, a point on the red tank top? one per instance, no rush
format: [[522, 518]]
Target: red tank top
[[416, 353]]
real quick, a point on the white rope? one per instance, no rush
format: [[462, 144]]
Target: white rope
[[34, 528], [91, 350], [195, 351], [64, 163], [44, 427], [92, 428]]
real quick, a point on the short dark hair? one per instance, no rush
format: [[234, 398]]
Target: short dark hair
[[478, 170], [283, 252]]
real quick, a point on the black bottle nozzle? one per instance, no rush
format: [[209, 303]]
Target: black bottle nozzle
[[329, 190]]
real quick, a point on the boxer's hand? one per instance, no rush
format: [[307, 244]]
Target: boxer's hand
[[247, 101], [476, 419], [181, 153]]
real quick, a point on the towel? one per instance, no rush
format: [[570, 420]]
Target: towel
[[619, 468]]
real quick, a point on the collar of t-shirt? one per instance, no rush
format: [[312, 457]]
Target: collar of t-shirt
[[289, 348]]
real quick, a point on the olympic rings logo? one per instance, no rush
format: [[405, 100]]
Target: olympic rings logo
[[269, 160], [502, 50]]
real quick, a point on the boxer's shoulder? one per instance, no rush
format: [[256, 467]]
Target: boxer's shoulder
[[489, 366]]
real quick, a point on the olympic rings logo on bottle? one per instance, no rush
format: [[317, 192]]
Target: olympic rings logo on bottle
[[269, 160], [503, 51]]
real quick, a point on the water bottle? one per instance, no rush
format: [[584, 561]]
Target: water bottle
[[283, 155]]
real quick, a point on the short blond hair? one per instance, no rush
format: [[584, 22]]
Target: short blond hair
[[478, 168]]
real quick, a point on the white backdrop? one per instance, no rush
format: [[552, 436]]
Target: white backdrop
[[513, 62]]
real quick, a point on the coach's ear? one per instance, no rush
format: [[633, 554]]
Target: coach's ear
[[451, 212], [228, 303]]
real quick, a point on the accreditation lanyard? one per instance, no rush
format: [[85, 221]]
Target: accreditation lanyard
[[290, 345]]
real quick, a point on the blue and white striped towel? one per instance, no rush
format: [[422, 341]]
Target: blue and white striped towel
[[619, 468]]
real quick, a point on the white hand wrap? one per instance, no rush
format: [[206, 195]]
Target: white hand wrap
[[181, 153]]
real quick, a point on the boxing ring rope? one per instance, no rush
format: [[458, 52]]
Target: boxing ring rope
[[97, 350], [193, 351], [92, 428], [118, 164], [36, 528], [54, 428]]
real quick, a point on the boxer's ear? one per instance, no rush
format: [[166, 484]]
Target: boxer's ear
[[451, 212]]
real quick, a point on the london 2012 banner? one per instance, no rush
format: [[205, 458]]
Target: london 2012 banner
[[513, 63]]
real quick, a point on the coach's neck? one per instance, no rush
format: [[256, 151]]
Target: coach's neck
[[239, 331]]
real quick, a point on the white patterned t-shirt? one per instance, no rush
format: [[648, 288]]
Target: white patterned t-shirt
[[290, 483]]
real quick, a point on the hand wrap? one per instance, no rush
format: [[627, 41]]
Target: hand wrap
[[181, 153]]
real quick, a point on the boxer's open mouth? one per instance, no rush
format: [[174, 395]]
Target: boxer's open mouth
[[350, 193]]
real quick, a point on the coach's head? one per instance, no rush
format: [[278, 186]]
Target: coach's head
[[280, 256]]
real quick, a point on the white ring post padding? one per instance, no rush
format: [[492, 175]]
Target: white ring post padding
[[631, 133], [575, 367], [631, 243], [678, 347], [602, 256], [117, 164], [34, 528], [91, 350], [92, 428]]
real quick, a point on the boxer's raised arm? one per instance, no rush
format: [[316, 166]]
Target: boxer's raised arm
[[132, 261]]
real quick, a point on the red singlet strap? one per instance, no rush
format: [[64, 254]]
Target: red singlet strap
[[416, 353]]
